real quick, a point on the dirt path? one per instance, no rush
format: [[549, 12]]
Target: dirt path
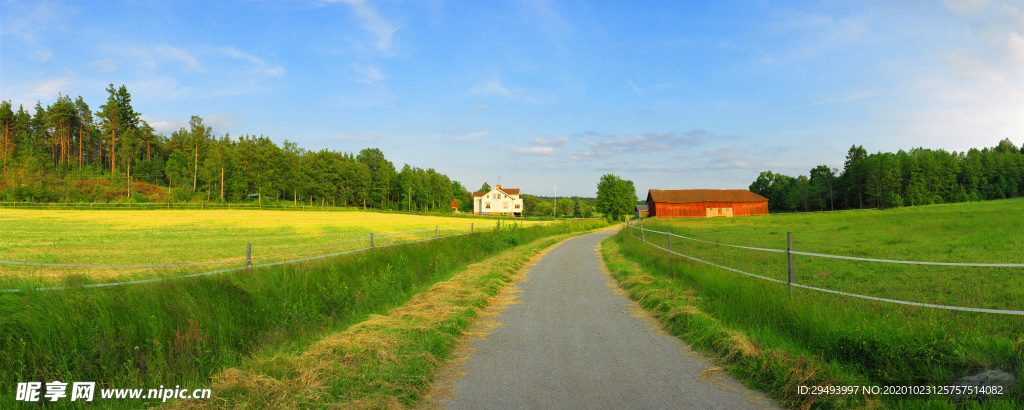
[[572, 339]]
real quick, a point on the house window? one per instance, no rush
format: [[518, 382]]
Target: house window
[[488, 205], [506, 205], [517, 206]]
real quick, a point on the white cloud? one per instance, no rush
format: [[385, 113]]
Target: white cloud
[[554, 142], [26, 20], [647, 142], [372, 22], [493, 86], [42, 55], [259, 65], [48, 90], [157, 56], [370, 73], [534, 151], [966, 6], [105, 65], [165, 126]]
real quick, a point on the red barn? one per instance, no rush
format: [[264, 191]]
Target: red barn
[[704, 203]]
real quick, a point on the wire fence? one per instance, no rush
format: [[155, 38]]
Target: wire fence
[[367, 242], [635, 226]]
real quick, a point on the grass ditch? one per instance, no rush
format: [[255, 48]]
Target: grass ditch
[[182, 332], [387, 361], [775, 342]]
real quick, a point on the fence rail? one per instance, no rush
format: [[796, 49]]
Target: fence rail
[[247, 261], [792, 281]]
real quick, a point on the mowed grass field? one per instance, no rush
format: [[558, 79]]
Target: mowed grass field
[[981, 232], [162, 237]]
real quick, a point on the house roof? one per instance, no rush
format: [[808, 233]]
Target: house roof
[[507, 191], [642, 208], [685, 196]]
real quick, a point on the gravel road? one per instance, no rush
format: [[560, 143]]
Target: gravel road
[[574, 340]]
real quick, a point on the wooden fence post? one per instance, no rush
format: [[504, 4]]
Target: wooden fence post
[[789, 255], [643, 238], [435, 231], [470, 227], [668, 236], [371, 240], [248, 256]]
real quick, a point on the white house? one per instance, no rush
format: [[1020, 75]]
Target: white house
[[499, 201]]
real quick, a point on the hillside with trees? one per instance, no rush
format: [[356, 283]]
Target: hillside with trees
[[66, 152], [884, 180]]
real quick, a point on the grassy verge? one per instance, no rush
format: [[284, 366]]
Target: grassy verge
[[776, 342], [387, 361], [181, 332]]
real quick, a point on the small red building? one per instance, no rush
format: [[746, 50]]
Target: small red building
[[704, 203]]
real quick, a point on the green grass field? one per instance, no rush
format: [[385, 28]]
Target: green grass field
[[981, 232], [159, 237], [181, 332], [832, 339]]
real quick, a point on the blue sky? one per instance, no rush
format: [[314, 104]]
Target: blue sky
[[671, 95]]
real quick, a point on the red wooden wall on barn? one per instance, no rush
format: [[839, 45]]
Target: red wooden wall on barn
[[699, 209]]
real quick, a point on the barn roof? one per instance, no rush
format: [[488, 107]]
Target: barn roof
[[640, 208], [684, 196]]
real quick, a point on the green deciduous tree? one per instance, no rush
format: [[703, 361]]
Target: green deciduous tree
[[615, 197]]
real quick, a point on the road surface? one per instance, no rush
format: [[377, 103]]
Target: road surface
[[574, 340]]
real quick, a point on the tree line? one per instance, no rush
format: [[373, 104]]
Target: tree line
[[905, 178], [68, 140]]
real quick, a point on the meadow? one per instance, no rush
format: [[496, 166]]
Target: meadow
[[181, 332], [165, 237], [778, 339], [979, 232]]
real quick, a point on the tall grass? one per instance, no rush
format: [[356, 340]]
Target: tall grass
[[812, 338], [180, 332]]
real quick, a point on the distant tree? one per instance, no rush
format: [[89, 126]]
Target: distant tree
[[117, 116], [485, 187], [565, 208], [6, 134], [615, 196], [854, 176], [821, 187], [382, 172], [542, 207]]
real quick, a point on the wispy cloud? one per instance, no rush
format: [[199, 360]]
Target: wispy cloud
[[258, 64], [106, 65], [553, 142], [48, 89], [641, 91], [646, 142], [26, 20], [165, 125], [373, 23], [492, 86], [534, 150], [369, 74], [156, 56]]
